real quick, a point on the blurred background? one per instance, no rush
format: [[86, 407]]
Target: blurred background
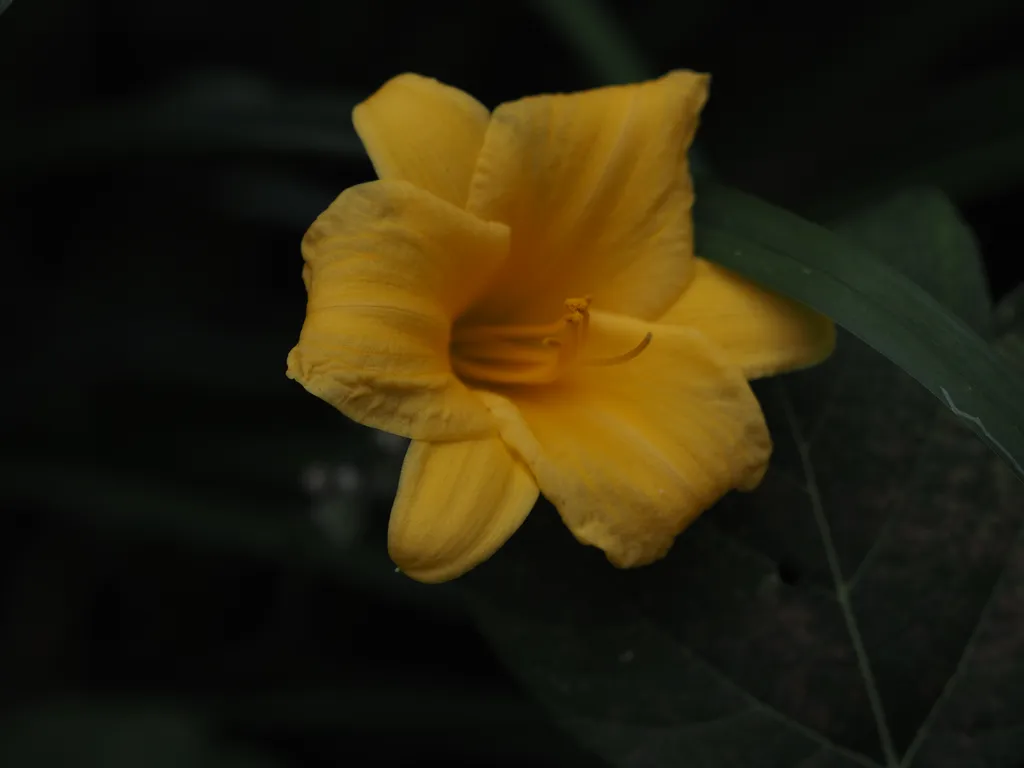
[[194, 562]]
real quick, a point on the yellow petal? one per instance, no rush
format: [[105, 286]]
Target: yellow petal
[[456, 504], [417, 129], [388, 266], [631, 454], [761, 332], [596, 189]]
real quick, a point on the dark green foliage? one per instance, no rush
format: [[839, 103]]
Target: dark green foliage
[[849, 612], [188, 578]]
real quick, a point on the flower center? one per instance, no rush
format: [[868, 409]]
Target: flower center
[[529, 354]]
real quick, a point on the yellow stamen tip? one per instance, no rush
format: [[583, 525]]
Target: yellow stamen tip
[[580, 305]]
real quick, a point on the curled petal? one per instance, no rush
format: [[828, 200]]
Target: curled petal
[[388, 266], [457, 503]]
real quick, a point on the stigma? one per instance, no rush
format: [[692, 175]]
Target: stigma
[[530, 354]]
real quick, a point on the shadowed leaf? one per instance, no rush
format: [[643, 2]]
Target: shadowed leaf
[[856, 610]]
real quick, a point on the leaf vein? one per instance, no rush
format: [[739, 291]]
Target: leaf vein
[[842, 595]]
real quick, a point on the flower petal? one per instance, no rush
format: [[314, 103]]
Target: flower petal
[[596, 189], [456, 504], [417, 129], [631, 454], [388, 266], [760, 331]]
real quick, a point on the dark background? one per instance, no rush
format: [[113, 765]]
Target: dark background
[[185, 531]]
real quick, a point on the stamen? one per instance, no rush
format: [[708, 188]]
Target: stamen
[[529, 354], [478, 333], [623, 358], [579, 308], [501, 352], [580, 305], [492, 374], [573, 337]]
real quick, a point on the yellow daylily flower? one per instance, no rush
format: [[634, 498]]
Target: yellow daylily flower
[[518, 294]]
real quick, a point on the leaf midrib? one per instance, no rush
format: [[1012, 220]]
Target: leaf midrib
[[842, 593]]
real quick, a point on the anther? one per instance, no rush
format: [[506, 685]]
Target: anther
[[580, 305]]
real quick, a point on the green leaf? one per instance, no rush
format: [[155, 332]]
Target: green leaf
[[861, 608], [875, 303], [921, 234]]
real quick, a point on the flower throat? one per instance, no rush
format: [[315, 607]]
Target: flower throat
[[529, 354]]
